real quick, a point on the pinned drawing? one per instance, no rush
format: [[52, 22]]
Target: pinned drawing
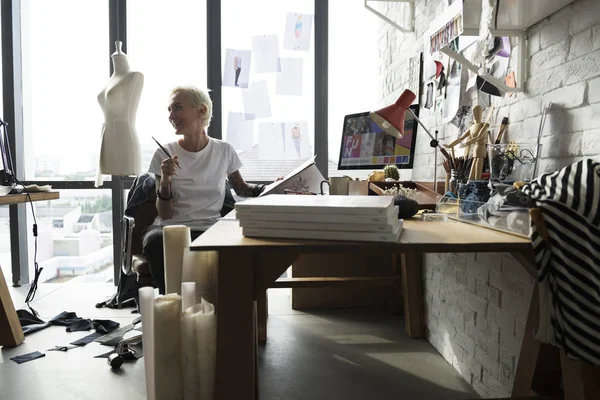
[[256, 100], [452, 99], [296, 140], [289, 80], [270, 141], [240, 131], [236, 72], [298, 29], [265, 51]]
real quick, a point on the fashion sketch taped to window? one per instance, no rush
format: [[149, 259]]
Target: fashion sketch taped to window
[[236, 71], [265, 52], [297, 145], [298, 29], [256, 100], [289, 80]]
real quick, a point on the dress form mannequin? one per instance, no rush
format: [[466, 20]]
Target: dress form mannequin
[[120, 151]]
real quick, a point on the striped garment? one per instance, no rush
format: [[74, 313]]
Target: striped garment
[[569, 262]]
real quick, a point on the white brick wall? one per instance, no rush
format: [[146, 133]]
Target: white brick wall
[[476, 305]]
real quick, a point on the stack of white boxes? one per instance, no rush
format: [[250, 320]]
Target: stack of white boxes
[[353, 218]]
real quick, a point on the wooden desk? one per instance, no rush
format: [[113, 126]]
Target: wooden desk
[[22, 198], [247, 267], [11, 333]]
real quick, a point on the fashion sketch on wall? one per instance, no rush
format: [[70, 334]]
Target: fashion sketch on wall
[[236, 71], [298, 29]]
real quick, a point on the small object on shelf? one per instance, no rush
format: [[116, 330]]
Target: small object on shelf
[[358, 188], [513, 161], [398, 190], [376, 176], [391, 171], [457, 177]]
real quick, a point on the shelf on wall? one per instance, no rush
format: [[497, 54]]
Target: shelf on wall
[[410, 18], [513, 14], [514, 17]]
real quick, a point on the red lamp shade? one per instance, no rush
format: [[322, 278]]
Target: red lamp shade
[[391, 118]]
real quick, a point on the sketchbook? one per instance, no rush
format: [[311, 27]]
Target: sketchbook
[[305, 178], [391, 237], [346, 205]]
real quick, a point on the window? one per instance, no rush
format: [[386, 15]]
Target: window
[[65, 66], [353, 68], [75, 236], [167, 43], [268, 116]]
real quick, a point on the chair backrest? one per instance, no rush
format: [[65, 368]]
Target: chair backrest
[[144, 217], [145, 214]]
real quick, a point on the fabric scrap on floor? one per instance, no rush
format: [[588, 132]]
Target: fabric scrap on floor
[[65, 318], [113, 338], [87, 339], [80, 325], [30, 323], [28, 357], [105, 325]]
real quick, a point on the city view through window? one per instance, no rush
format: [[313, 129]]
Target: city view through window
[[64, 72]]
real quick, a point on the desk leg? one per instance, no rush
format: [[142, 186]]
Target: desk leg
[[267, 268], [412, 290], [11, 333], [236, 338], [262, 314]]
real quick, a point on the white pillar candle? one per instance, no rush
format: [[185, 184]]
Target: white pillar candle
[[176, 238], [147, 310], [199, 351], [188, 295], [168, 382], [206, 325]]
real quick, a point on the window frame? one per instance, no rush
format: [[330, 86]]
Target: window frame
[[117, 25]]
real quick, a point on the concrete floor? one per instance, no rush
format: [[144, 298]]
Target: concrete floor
[[337, 354]]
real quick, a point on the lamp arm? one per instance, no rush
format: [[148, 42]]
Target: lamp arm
[[442, 150]]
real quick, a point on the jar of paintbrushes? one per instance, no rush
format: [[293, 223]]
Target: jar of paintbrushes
[[459, 172]]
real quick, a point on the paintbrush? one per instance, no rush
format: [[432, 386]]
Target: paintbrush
[[502, 129]]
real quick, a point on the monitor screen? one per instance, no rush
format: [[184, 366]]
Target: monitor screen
[[366, 146]]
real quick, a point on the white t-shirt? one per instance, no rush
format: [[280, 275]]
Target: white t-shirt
[[199, 186]]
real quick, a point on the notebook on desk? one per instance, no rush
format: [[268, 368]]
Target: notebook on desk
[[347, 205], [355, 236], [353, 218]]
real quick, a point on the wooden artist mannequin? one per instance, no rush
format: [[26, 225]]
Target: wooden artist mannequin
[[475, 145], [120, 152]]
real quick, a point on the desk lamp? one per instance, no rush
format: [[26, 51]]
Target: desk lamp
[[391, 120]]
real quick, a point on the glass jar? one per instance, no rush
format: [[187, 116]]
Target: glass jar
[[456, 178]]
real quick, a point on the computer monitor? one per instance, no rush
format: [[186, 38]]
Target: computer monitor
[[7, 177], [366, 146]]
